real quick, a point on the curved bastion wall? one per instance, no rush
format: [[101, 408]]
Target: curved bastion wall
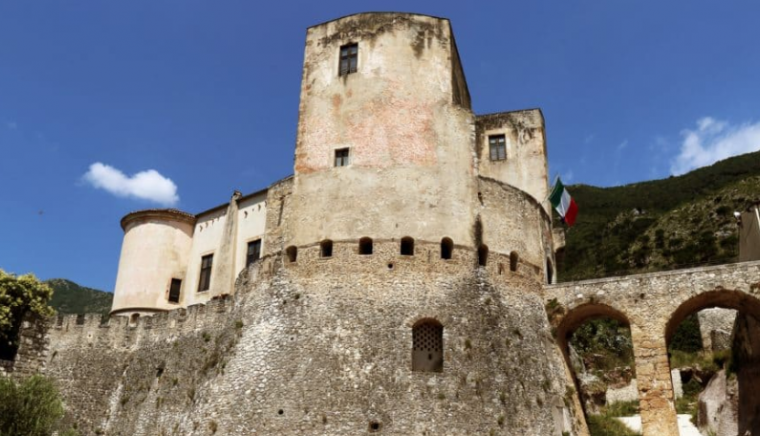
[[324, 346], [154, 250]]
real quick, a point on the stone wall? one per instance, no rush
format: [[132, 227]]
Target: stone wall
[[324, 346], [715, 327]]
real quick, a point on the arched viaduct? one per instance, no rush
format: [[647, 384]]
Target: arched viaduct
[[654, 305]]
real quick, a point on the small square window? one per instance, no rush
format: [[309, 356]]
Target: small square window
[[349, 55], [497, 144], [254, 252], [341, 157]]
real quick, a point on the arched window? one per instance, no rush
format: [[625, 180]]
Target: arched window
[[447, 248], [292, 253], [365, 245], [482, 255], [427, 346], [513, 259], [325, 248], [407, 246], [549, 271]]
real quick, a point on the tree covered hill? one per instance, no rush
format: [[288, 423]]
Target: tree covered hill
[[660, 224], [69, 297]]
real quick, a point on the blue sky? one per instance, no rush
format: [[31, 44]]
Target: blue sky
[[112, 106]]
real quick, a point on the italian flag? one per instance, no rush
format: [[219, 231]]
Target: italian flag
[[563, 203]]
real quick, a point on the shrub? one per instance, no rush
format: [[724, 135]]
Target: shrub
[[31, 407]]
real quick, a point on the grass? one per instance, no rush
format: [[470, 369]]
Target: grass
[[606, 424]]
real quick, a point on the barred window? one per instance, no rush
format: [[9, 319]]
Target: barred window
[[427, 346], [349, 56], [497, 145]]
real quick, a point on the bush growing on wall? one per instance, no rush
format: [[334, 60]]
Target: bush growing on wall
[[19, 295], [31, 407]]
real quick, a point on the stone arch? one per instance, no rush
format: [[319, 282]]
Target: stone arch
[[745, 349], [574, 319], [723, 298]]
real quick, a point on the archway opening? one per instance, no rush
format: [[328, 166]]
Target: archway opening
[[596, 342], [714, 354]]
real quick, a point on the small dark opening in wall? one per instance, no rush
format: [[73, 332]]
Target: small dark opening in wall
[[292, 253], [374, 426], [447, 248], [482, 255], [80, 319], [133, 319], [325, 248], [407, 246], [365, 245], [390, 266], [549, 271], [513, 259], [280, 412], [159, 372]]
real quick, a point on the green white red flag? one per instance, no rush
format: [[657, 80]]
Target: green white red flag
[[563, 203]]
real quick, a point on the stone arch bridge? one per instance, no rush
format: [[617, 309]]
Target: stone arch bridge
[[653, 305]]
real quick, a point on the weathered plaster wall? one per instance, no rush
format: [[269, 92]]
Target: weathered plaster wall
[[411, 157], [206, 240], [252, 213], [526, 165], [154, 250]]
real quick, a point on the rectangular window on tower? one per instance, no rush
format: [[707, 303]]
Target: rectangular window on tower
[[204, 284], [497, 144], [349, 56], [341, 157], [174, 290], [254, 252]]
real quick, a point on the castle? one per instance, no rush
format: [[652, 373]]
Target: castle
[[398, 283]]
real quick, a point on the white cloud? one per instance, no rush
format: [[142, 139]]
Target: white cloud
[[622, 146], [714, 140], [146, 185]]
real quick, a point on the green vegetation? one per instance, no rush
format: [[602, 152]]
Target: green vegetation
[[687, 338], [604, 344], [19, 295], [606, 422], [31, 407], [660, 224], [69, 297]]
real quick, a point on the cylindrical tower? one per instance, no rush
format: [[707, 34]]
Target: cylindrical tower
[[153, 261], [385, 133]]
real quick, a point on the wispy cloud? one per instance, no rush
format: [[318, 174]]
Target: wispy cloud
[[146, 185], [622, 146], [714, 140], [11, 125]]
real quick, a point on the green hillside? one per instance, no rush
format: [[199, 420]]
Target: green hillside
[[69, 297], [660, 224]]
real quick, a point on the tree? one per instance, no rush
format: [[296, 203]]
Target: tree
[[19, 296], [30, 407]]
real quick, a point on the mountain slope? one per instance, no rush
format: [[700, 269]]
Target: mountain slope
[[69, 297], [660, 224]]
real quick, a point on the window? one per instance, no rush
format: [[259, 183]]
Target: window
[[447, 248], [254, 252], [427, 346], [482, 255], [513, 259], [292, 253], [204, 284], [341, 157], [497, 144], [174, 290], [348, 58], [407, 246], [365, 246], [549, 271], [325, 248]]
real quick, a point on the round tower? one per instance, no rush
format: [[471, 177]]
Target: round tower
[[153, 261]]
